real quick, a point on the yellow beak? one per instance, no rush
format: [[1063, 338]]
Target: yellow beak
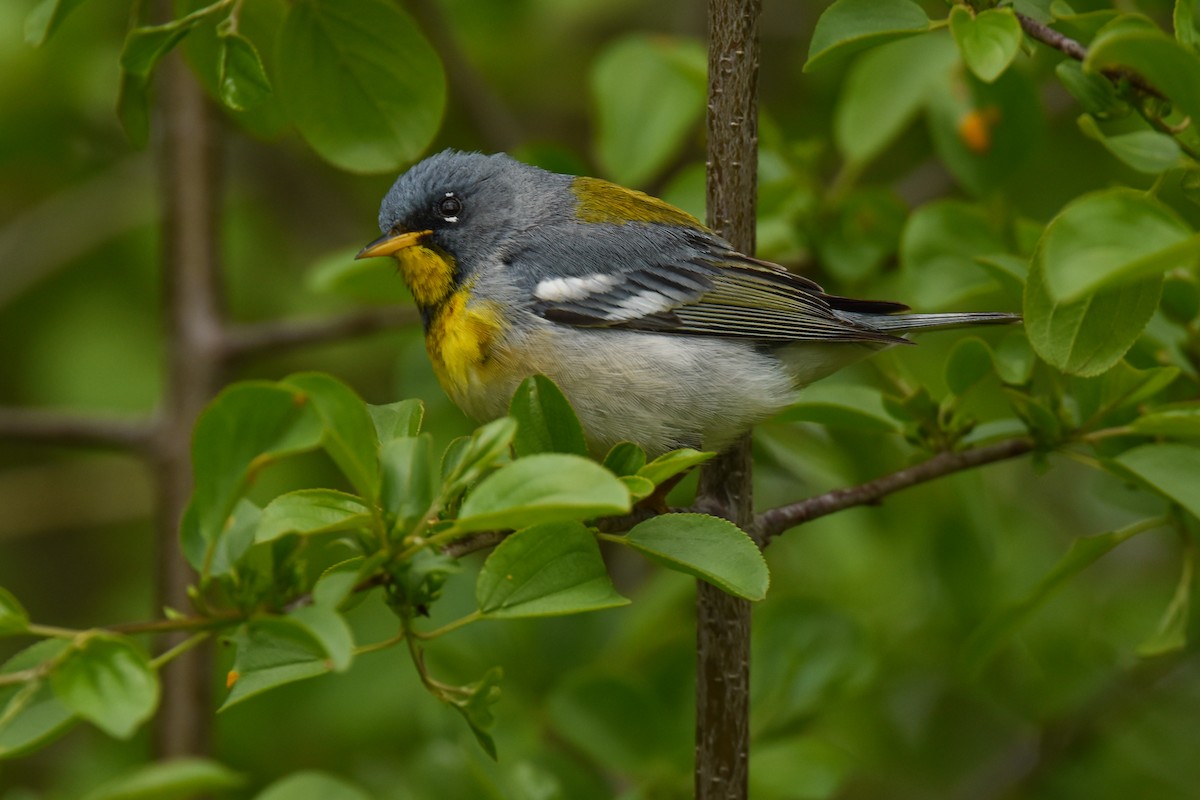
[[389, 244]]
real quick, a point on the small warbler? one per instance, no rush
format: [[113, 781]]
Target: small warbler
[[654, 327]]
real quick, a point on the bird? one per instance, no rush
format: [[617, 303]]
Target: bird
[[654, 327]]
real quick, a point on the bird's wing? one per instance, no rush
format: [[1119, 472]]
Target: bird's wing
[[716, 293]]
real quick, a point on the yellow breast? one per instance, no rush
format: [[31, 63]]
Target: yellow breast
[[462, 340]]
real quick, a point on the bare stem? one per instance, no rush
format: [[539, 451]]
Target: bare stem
[[775, 521], [61, 428], [249, 339], [1068, 46]]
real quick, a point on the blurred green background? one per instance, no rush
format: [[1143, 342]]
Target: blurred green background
[[857, 689]]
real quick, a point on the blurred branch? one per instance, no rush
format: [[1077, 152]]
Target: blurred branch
[[189, 168], [249, 339], [499, 126], [775, 521], [59, 428], [1068, 46]]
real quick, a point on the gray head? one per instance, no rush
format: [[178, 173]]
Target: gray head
[[470, 202]]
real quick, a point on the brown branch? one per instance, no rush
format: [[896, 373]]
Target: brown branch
[[1064, 44], [247, 339], [722, 766], [189, 170], [61, 428], [775, 521]]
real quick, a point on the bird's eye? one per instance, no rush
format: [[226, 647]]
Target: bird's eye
[[449, 207]]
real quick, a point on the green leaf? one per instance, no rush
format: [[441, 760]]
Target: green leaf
[[1086, 336], [546, 423], [988, 41], [1181, 421], [545, 570], [476, 707], [708, 548], [30, 714], [1081, 26], [548, 487], [174, 779], [133, 109], [396, 420], [1166, 64], [848, 26], [1095, 93], [1181, 298], [360, 81], [312, 785], [1014, 359], [145, 46], [861, 233], [337, 583], [1168, 468], [969, 363], [649, 94], [311, 511], [1146, 151], [409, 479], [13, 617], [464, 464], [331, 630], [1113, 237], [985, 132], [668, 465], [639, 488], [883, 92], [615, 719], [1008, 270], [842, 406], [366, 281], [799, 766], [236, 538], [625, 458], [1184, 19], [1000, 627], [349, 436], [1118, 388], [1171, 635], [242, 78], [419, 580], [44, 18], [108, 681], [260, 23], [271, 652], [246, 427], [938, 249]]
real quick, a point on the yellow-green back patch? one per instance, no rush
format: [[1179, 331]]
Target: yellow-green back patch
[[601, 201]]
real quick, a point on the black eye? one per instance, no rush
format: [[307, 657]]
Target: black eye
[[449, 207]]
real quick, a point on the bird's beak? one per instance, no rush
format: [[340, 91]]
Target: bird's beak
[[391, 243]]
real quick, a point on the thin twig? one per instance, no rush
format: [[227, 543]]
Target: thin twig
[[63, 428], [775, 521], [1068, 46], [248, 339]]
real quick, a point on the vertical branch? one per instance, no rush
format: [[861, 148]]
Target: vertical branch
[[723, 622], [188, 164]]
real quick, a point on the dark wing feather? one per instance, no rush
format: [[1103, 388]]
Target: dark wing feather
[[720, 293]]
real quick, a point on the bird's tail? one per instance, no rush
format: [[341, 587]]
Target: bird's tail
[[923, 322]]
